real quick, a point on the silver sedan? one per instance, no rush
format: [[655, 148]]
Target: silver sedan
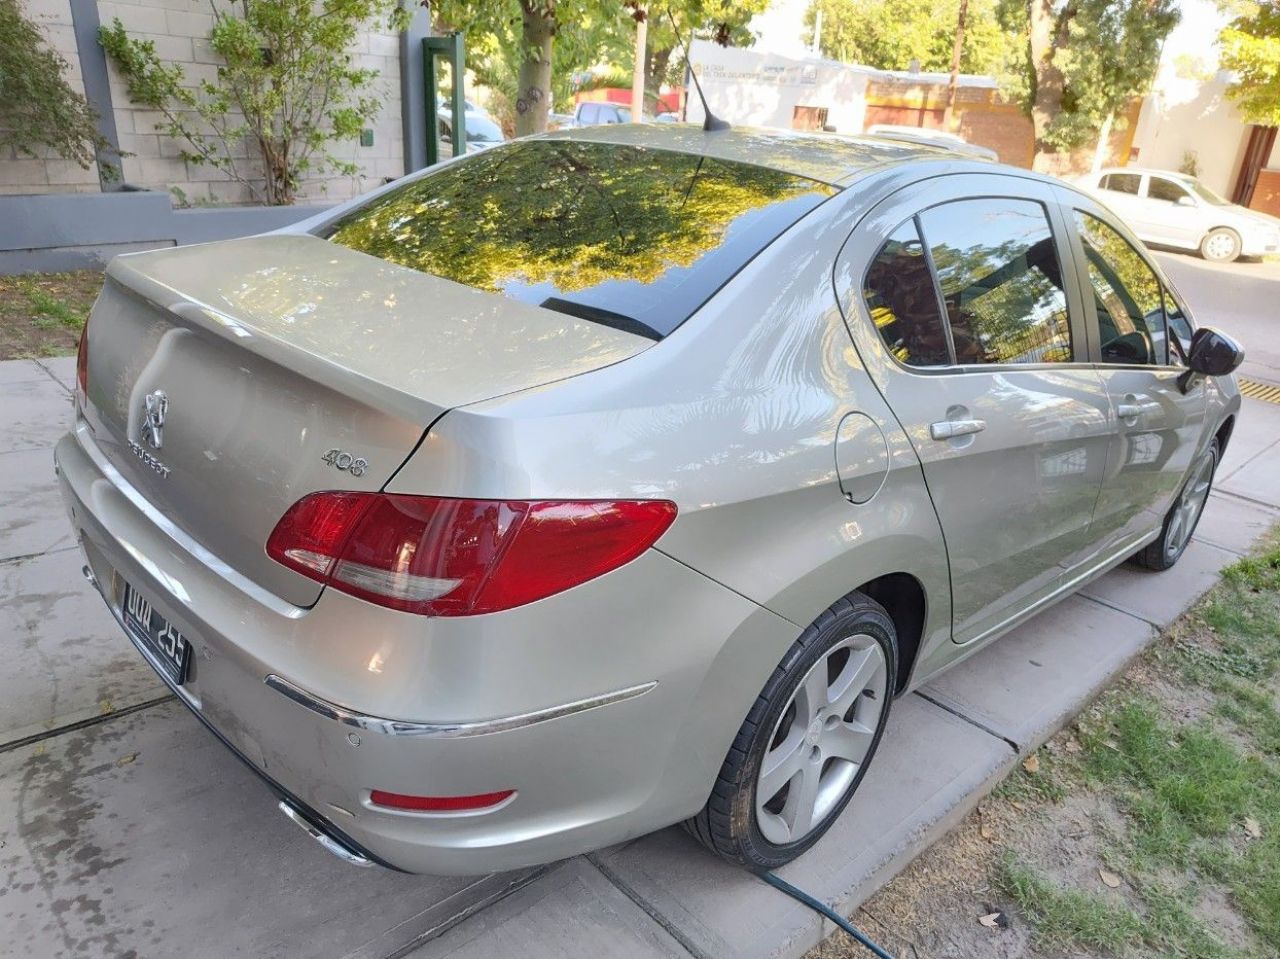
[[624, 477]]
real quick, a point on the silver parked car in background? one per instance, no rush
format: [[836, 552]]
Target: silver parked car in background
[[623, 477], [1173, 209]]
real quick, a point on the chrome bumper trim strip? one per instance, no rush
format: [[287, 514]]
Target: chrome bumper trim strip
[[330, 843], [397, 727]]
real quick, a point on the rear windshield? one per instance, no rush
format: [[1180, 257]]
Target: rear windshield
[[626, 236]]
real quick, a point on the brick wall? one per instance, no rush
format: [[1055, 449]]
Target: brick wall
[[180, 30], [983, 115], [1266, 194], [48, 172]]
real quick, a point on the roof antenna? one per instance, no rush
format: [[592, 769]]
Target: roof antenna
[[710, 122]]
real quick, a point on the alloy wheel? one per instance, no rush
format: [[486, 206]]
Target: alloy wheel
[[1187, 510], [1220, 246], [821, 739]]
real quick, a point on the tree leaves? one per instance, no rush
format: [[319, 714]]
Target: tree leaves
[[287, 85], [38, 108], [1250, 47]]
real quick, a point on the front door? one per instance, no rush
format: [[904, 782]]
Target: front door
[[967, 299], [1157, 426], [1171, 214]]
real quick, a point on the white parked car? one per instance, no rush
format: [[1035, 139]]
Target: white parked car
[[933, 138], [1174, 209]]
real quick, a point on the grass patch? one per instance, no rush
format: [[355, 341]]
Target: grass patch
[[1198, 789], [41, 314]]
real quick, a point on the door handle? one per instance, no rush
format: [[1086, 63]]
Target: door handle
[[1130, 407], [950, 429]]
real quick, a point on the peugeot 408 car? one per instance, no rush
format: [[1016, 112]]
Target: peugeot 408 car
[[623, 477]]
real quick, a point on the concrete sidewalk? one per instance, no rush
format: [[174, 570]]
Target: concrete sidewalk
[[125, 827]]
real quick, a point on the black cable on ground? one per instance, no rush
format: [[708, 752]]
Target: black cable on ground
[[823, 909]]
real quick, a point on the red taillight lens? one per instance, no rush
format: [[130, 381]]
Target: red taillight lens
[[460, 557], [438, 803], [82, 361]]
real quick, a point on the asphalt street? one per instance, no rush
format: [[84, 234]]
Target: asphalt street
[[1238, 298]]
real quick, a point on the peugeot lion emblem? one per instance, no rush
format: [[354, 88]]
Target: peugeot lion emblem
[[155, 405]]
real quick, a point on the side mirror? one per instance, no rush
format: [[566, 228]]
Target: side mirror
[[1212, 353], [1185, 200]]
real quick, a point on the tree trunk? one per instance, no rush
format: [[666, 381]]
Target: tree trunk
[[533, 100], [1047, 34], [1104, 143]]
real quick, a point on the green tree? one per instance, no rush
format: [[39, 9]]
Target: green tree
[[518, 46], [726, 22], [287, 86], [38, 108], [889, 34], [1250, 49], [1086, 59]]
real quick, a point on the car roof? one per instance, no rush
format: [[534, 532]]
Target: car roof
[[826, 157], [1139, 170]]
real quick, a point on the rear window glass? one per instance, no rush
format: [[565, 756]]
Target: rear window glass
[[630, 237]]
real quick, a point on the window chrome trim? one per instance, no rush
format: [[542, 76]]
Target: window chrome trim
[[397, 727]]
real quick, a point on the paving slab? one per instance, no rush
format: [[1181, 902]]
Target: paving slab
[[1258, 479], [1161, 597], [1028, 684], [21, 371], [33, 413], [570, 911], [32, 519], [144, 836], [66, 658], [1234, 523], [61, 368], [1257, 429], [930, 771]]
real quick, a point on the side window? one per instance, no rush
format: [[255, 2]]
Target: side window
[[903, 302], [1001, 280], [1121, 183], [1180, 329], [589, 114], [1127, 294], [1158, 188]]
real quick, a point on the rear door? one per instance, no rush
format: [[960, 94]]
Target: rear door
[[1156, 426], [1123, 193], [984, 362]]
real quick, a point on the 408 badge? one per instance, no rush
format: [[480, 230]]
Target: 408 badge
[[355, 465]]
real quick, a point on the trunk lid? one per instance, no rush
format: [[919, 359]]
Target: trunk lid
[[284, 361]]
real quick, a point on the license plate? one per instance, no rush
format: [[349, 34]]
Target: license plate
[[169, 647]]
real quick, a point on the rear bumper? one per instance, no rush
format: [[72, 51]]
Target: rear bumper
[[608, 708]]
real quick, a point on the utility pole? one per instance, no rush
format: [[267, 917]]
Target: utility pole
[[637, 75], [948, 116]]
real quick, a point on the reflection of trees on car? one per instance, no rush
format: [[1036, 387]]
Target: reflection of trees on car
[[1001, 282], [572, 215]]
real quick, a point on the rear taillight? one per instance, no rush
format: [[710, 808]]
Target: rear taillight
[[82, 361], [460, 557], [439, 803]]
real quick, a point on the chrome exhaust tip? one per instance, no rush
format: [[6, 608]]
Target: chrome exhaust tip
[[332, 845]]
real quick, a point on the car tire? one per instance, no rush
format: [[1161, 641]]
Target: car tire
[[1221, 245], [1184, 515], [818, 721]]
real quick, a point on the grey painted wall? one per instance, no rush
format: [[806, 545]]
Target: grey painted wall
[[77, 231]]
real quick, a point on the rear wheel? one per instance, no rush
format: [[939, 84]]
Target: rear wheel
[[807, 741], [1220, 245], [1184, 515]]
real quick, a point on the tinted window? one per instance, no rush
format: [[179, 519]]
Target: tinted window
[[1179, 328], [1122, 182], [1001, 281], [1158, 188], [903, 302], [588, 113], [626, 236], [1127, 294]]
